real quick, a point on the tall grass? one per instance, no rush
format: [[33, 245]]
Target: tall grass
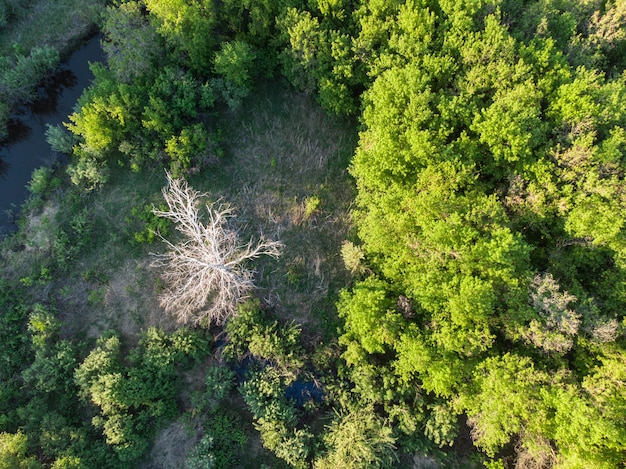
[[57, 23], [31, 34], [286, 175]]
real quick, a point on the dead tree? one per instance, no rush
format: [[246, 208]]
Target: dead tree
[[207, 272]]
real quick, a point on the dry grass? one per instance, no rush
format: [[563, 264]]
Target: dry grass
[[126, 302], [286, 176], [171, 446]]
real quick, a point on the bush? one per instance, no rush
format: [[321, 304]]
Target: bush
[[134, 400], [18, 79], [442, 425], [251, 331], [88, 173], [289, 444], [59, 139], [13, 448], [42, 181], [152, 224], [187, 148], [220, 447], [220, 381], [234, 61], [360, 440]]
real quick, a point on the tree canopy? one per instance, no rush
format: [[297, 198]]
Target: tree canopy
[[488, 254]]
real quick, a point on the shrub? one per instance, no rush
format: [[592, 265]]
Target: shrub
[[18, 79], [359, 439], [152, 224], [59, 139], [88, 173], [220, 380], [42, 181], [220, 447]]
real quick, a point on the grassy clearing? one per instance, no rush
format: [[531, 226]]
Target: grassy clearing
[[286, 176], [284, 172]]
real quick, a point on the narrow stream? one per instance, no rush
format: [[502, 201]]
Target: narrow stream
[[27, 148]]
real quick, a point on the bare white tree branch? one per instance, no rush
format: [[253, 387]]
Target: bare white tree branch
[[206, 273]]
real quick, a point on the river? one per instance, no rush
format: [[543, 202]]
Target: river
[[27, 148]]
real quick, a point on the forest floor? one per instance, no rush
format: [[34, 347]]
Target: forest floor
[[283, 170]]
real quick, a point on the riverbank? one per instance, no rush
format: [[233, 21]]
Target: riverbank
[[30, 150], [34, 37], [62, 24]]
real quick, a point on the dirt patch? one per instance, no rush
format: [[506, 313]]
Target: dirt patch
[[172, 445], [127, 302]]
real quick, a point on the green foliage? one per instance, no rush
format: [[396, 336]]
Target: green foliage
[[189, 28], [319, 57], [359, 439], [263, 392], [220, 381], [154, 116], [88, 173], [135, 400], [132, 45], [594, 436], [251, 330], [485, 161], [442, 425], [13, 448], [221, 446], [292, 445], [151, 224], [509, 400], [42, 181], [42, 325], [234, 62], [59, 139], [370, 317], [352, 256], [20, 76], [490, 212], [74, 235], [51, 374], [187, 148], [276, 418], [14, 351]]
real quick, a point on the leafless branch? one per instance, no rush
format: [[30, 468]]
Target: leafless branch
[[206, 274]]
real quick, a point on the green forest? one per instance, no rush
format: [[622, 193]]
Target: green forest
[[321, 234]]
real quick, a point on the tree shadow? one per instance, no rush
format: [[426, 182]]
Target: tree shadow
[[4, 169], [49, 93]]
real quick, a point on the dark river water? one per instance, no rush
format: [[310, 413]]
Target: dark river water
[[27, 148]]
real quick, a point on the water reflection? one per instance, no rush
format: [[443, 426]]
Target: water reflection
[[49, 94], [26, 148], [18, 131], [4, 168]]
